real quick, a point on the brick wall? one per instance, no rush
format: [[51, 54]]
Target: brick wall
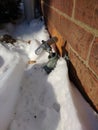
[[76, 21]]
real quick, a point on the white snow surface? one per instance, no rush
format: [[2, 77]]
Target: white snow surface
[[46, 102], [11, 73]]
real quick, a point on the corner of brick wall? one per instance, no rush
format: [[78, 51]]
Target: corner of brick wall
[[77, 23]]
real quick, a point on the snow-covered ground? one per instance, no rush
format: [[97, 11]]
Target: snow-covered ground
[[11, 72], [46, 102]]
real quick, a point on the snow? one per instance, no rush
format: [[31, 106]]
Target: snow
[[11, 72], [46, 102]]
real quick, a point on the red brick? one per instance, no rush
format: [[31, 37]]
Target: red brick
[[52, 16], [65, 6], [49, 2], [88, 80], [87, 12], [53, 32], [78, 38], [94, 56]]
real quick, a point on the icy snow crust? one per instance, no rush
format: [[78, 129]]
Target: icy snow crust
[[46, 102]]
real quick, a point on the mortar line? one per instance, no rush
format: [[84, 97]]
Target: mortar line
[[77, 22], [89, 52], [83, 61], [83, 25], [73, 10]]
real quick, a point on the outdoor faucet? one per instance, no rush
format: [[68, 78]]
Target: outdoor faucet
[[53, 56], [46, 46]]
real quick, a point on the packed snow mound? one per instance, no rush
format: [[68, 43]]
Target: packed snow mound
[[11, 72], [51, 102]]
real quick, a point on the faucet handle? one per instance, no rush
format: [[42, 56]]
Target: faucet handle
[[46, 45]]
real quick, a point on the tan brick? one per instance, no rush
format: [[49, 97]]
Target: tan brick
[[87, 12], [79, 38], [88, 80], [93, 61]]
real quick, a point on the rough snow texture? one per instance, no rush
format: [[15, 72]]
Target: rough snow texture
[[47, 102]]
